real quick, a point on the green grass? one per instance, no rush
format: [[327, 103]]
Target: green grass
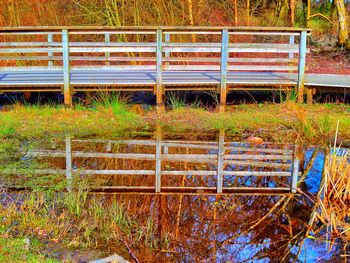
[[37, 225], [112, 117], [21, 250]]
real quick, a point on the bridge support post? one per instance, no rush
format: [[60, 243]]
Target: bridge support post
[[66, 69], [158, 135], [159, 67], [309, 95], [69, 162], [295, 170], [221, 152], [301, 66], [223, 69]]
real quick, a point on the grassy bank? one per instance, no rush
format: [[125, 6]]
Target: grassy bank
[[286, 122], [69, 227]]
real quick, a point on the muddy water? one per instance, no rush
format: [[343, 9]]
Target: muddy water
[[197, 224]]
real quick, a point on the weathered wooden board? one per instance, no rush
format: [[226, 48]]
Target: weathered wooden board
[[86, 77]]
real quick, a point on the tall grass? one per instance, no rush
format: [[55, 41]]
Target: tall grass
[[176, 101], [113, 101], [72, 221], [333, 205]]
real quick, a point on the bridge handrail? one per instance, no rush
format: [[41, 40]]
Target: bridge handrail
[[280, 159], [166, 54], [191, 29]]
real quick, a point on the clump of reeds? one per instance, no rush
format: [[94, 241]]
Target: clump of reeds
[[334, 201]]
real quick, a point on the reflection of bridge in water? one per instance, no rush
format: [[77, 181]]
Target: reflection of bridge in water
[[171, 166]]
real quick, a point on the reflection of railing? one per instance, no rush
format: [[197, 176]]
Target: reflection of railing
[[156, 49], [226, 161]]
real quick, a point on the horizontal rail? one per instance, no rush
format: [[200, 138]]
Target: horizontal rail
[[152, 28], [150, 172]]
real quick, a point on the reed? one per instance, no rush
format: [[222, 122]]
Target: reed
[[335, 208]]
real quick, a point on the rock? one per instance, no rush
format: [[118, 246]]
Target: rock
[[255, 140]]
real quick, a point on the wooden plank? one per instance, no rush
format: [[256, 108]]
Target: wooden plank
[[231, 67], [258, 157], [258, 174], [107, 42], [50, 54], [260, 150], [115, 172], [158, 174], [167, 54], [84, 29], [66, 69], [69, 162], [140, 49], [29, 50], [33, 44], [258, 164], [301, 66], [77, 154], [223, 69], [295, 171], [196, 144], [159, 69], [220, 162], [151, 59]]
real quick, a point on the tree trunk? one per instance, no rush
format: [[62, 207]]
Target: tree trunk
[[308, 13], [292, 12], [248, 12], [190, 17], [235, 12], [343, 29]]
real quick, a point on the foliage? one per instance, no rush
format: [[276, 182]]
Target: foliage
[[39, 224]]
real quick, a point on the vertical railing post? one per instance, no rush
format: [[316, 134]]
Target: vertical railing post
[[107, 41], [291, 53], [50, 54], [69, 162], [301, 66], [295, 170], [291, 42], [167, 53], [159, 67], [220, 171], [158, 161], [223, 69], [66, 69]]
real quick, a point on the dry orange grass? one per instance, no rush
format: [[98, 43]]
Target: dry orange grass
[[334, 207]]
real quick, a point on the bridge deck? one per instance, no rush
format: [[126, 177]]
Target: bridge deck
[[37, 79]]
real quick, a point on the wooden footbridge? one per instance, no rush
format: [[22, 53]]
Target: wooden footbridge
[[171, 166], [156, 59]]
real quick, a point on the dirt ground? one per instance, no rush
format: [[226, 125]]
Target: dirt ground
[[329, 62]]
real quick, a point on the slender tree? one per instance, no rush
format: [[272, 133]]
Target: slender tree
[[235, 12], [343, 36], [292, 12]]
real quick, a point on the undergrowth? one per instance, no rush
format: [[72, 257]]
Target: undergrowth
[[286, 122], [52, 226]]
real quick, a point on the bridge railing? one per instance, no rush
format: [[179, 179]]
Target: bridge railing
[[155, 49], [157, 165]]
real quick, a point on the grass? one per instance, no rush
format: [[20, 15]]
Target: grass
[[39, 226], [330, 220], [286, 122], [175, 102], [17, 250]]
